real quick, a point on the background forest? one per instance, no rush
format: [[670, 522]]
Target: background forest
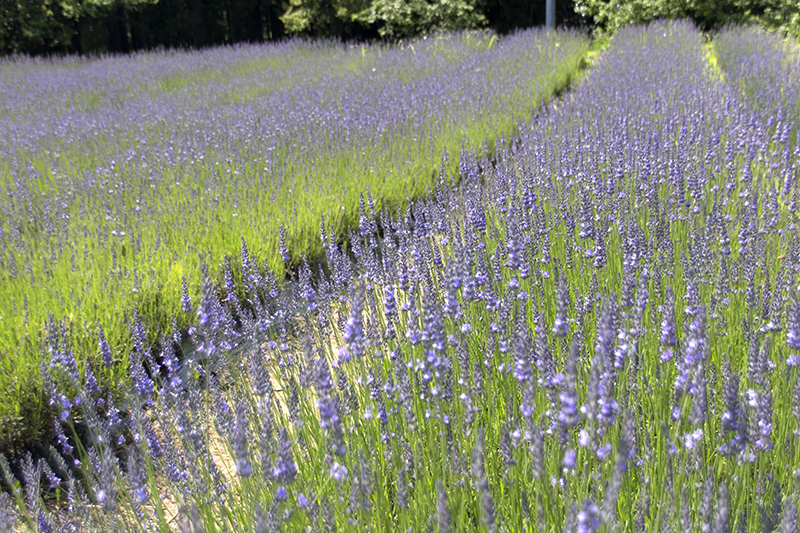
[[99, 26]]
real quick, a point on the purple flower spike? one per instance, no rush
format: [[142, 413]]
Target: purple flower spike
[[338, 472], [285, 469], [282, 245], [588, 518], [569, 459], [240, 438], [793, 329], [667, 337], [569, 416], [560, 326], [105, 349]]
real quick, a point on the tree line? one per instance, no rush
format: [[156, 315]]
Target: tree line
[[101, 26], [39, 27]]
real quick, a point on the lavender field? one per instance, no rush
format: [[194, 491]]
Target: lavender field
[[594, 326], [122, 176]]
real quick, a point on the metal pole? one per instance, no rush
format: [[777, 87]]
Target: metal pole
[[550, 14]]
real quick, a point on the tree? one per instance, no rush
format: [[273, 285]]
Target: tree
[[403, 19], [37, 27], [324, 18], [387, 18], [609, 15]]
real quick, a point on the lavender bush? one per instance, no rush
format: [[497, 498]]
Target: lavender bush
[[767, 68], [119, 173], [596, 329]]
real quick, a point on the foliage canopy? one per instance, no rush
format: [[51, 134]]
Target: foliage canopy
[[98, 26], [610, 15]]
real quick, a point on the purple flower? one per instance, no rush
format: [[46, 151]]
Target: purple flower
[[667, 337], [560, 327], [353, 334], [44, 524], [568, 416], [186, 302], [443, 516], [207, 313], [433, 333], [329, 408], [141, 380], [528, 404], [599, 252], [136, 475], [284, 469], [690, 440], [482, 483], [282, 244], [402, 489], [302, 501], [390, 304], [569, 459], [793, 328], [603, 452], [104, 348], [240, 439], [588, 518], [338, 472]]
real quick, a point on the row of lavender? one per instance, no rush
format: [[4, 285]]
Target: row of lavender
[[598, 329], [767, 68], [118, 173]]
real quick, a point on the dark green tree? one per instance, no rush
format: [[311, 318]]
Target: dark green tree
[[37, 26], [387, 18], [414, 17], [324, 18], [609, 15]]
